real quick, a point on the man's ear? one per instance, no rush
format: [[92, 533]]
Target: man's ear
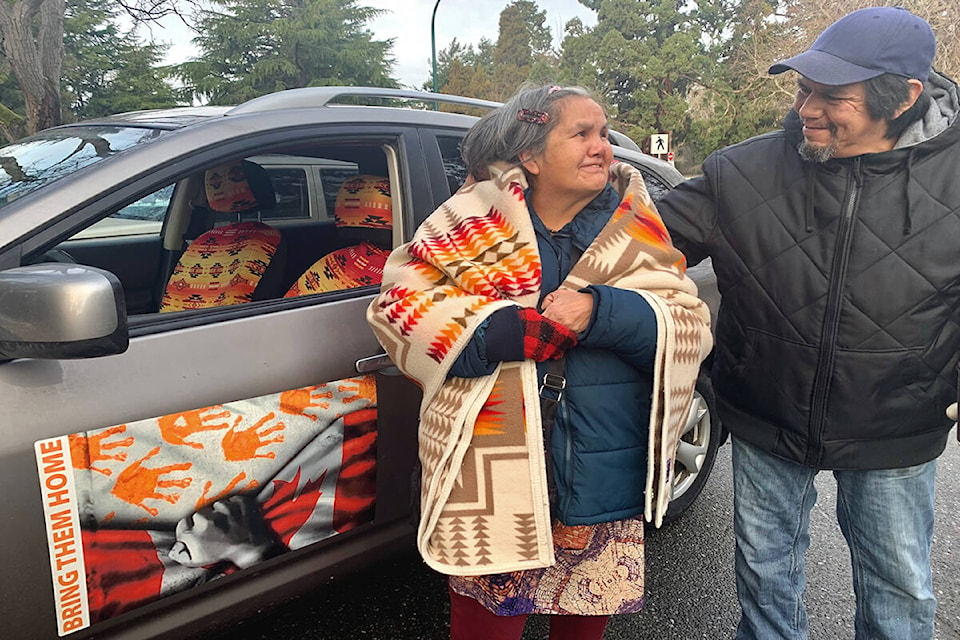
[[916, 88]]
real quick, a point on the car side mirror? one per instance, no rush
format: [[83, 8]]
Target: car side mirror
[[56, 310]]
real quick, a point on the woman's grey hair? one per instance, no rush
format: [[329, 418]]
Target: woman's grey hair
[[513, 129]]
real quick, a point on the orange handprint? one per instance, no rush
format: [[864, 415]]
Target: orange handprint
[[85, 451], [297, 401], [362, 388], [136, 484], [239, 445], [231, 488], [176, 427]]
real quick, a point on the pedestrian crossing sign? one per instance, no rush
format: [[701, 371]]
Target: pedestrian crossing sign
[[659, 144]]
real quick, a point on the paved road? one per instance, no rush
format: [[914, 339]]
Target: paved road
[[689, 581]]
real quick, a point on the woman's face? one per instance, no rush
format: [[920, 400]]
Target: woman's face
[[577, 157]]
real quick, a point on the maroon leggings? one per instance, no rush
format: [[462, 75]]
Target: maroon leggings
[[469, 620]]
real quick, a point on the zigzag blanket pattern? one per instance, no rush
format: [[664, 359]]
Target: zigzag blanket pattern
[[484, 492]]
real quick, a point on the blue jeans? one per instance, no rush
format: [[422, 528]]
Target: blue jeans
[[887, 519]]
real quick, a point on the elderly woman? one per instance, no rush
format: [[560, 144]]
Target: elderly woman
[[543, 308]]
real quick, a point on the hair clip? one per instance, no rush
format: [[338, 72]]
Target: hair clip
[[554, 88], [533, 117]]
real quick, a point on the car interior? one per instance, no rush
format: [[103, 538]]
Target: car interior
[[364, 212], [229, 263], [278, 224]]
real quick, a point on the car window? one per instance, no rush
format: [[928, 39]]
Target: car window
[[656, 187], [453, 166], [331, 179], [150, 208], [305, 186], [177, 250], [143, 217], [292, 191], [34, 162]]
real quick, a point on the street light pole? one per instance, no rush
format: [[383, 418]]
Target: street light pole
[[433, 44]]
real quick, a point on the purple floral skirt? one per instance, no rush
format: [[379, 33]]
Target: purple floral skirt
[[599, 571]]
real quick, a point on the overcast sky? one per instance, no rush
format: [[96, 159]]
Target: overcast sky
[[408, 23]]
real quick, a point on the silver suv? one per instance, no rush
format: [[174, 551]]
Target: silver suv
[[174, 453]]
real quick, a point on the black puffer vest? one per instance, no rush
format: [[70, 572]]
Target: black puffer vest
[[839, 327]]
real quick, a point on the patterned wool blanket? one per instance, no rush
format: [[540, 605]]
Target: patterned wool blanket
[[484, 505]]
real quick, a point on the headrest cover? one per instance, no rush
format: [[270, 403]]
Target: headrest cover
[[364, 201], [239, 185], [866, 44]]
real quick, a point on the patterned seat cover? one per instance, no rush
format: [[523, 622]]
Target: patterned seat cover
[[224, 265], [363, 202], [357, 266], [221, 267]]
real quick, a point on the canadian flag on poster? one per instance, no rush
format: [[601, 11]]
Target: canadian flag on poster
[[142, 510]]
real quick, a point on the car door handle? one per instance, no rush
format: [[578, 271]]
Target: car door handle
[[380, 362]]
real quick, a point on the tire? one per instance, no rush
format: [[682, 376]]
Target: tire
[[697, 451]]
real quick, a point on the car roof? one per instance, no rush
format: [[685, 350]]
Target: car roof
[[403, 104], [172, 118]]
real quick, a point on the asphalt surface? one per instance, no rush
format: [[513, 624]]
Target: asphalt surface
[[690, 583]]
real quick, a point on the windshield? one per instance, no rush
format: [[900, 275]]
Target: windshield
[[31, 163]]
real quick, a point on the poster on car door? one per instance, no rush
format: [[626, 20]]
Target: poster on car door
[[138, 511]]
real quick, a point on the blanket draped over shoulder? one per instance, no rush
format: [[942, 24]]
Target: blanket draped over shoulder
[[484, 505]]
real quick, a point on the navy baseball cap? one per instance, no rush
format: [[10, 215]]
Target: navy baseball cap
[[865, 44]]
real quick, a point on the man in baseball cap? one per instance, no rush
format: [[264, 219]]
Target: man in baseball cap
[[834, 241]]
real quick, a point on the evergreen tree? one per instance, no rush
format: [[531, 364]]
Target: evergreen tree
[[646, 55], [578, 64], [524, 49], [455, 53], [493, 71], [107, 71], [253, 47], [739, 99], [12, 121], [458, 63], [104, 71], [139, 83], [523, 35]]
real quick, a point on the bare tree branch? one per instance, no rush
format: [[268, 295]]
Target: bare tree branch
[[153, 10]]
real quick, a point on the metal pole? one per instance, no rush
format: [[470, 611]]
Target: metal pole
[[433, 44]]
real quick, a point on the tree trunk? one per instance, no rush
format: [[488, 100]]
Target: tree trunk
[[33, 43]]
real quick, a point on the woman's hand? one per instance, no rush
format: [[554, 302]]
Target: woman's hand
[[569, 308]]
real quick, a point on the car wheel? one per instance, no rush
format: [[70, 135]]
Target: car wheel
[[696, 452]]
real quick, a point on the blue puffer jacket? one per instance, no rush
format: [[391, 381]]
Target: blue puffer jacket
[[599, 441]]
